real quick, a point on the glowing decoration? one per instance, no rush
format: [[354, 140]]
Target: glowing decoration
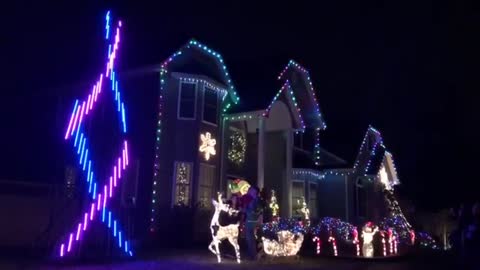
[[220, 233], [274, 206], [305, 212], [412, 237], [382, 234], [208, 145], [317, 241], [368, 232], [288, 244], [75, 126], [356, 242], [332, 240], [182, 196], [307, 172], [384, 178], [238, 147], [239, 186], [316, 147], [223, 92]]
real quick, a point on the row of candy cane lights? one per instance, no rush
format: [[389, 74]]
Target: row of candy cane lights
[[392, 241], [99, 199]]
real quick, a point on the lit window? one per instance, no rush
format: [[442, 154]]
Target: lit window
[[298, 193], [205, 185], [187, 100], [183, 177], [210, 103]]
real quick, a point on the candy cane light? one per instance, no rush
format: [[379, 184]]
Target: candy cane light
[[100, 196]]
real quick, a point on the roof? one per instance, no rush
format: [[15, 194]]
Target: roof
[[218, 60], [299, 78]]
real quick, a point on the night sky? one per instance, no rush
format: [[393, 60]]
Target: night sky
[[408, 69]]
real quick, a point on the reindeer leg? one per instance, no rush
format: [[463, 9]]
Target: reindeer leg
[[219, 258], [210, 247], [234, 242]]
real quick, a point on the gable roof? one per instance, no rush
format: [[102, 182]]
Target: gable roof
[[203, 49], [390, 170], [287, 92], [292, 72], [371, 152]]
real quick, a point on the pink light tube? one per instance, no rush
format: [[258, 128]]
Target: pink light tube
[[62, 247], [78, 232], [89, 100], [92, 209], [123, 155], [71, 119], [111, 184], [126, 151], [119, 168], [115, 176], [76, 118], [85, 221], [70, 243], [105, 196]]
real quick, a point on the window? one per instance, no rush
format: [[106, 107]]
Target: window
[[312, 200], [205, 185], [183, 180], [210, 101], [187, 100], [298, 195]]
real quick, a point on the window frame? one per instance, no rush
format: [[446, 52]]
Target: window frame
[[297, 181], [205, 89], [179, 99], [190, 184], [310, 192]]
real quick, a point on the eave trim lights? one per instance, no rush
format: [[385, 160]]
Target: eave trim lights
[[99, 196], [287, 89], [305, 72], [197, 45]]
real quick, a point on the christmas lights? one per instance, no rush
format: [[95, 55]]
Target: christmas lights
[[289, 93], [305, 73], [332, 240], [80, 112], [288, 244], [316, 240], [208, 145], [309, 173], [220, 233], [238, 147], [368, 232], [305, 212], [274, 206]]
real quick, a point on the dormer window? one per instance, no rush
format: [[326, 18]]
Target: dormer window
[[210, 105], [187, 97]]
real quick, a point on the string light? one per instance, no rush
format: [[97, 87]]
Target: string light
[[287, 89], [316, 240], [332, 240], [82, 150], [274, 206], [288, 244]]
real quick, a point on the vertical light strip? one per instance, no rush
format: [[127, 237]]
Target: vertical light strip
[[71, 119]]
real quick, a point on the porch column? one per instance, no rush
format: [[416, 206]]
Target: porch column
[[261, 153], [287, 190]]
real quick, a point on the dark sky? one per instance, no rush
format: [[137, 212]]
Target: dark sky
[[404, 67]]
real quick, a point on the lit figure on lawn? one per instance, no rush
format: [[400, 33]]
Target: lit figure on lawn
[[305, 212], [274, 206], [288, 244], [368, 231], [220, 233]]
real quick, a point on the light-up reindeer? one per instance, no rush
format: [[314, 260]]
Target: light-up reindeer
[[220, 233]]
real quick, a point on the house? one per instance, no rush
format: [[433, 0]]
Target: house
[[204, 139]]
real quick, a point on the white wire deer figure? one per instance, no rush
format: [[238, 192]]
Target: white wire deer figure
[[220, 233]]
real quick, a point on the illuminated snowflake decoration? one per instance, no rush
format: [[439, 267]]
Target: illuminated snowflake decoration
[[208, 145]]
